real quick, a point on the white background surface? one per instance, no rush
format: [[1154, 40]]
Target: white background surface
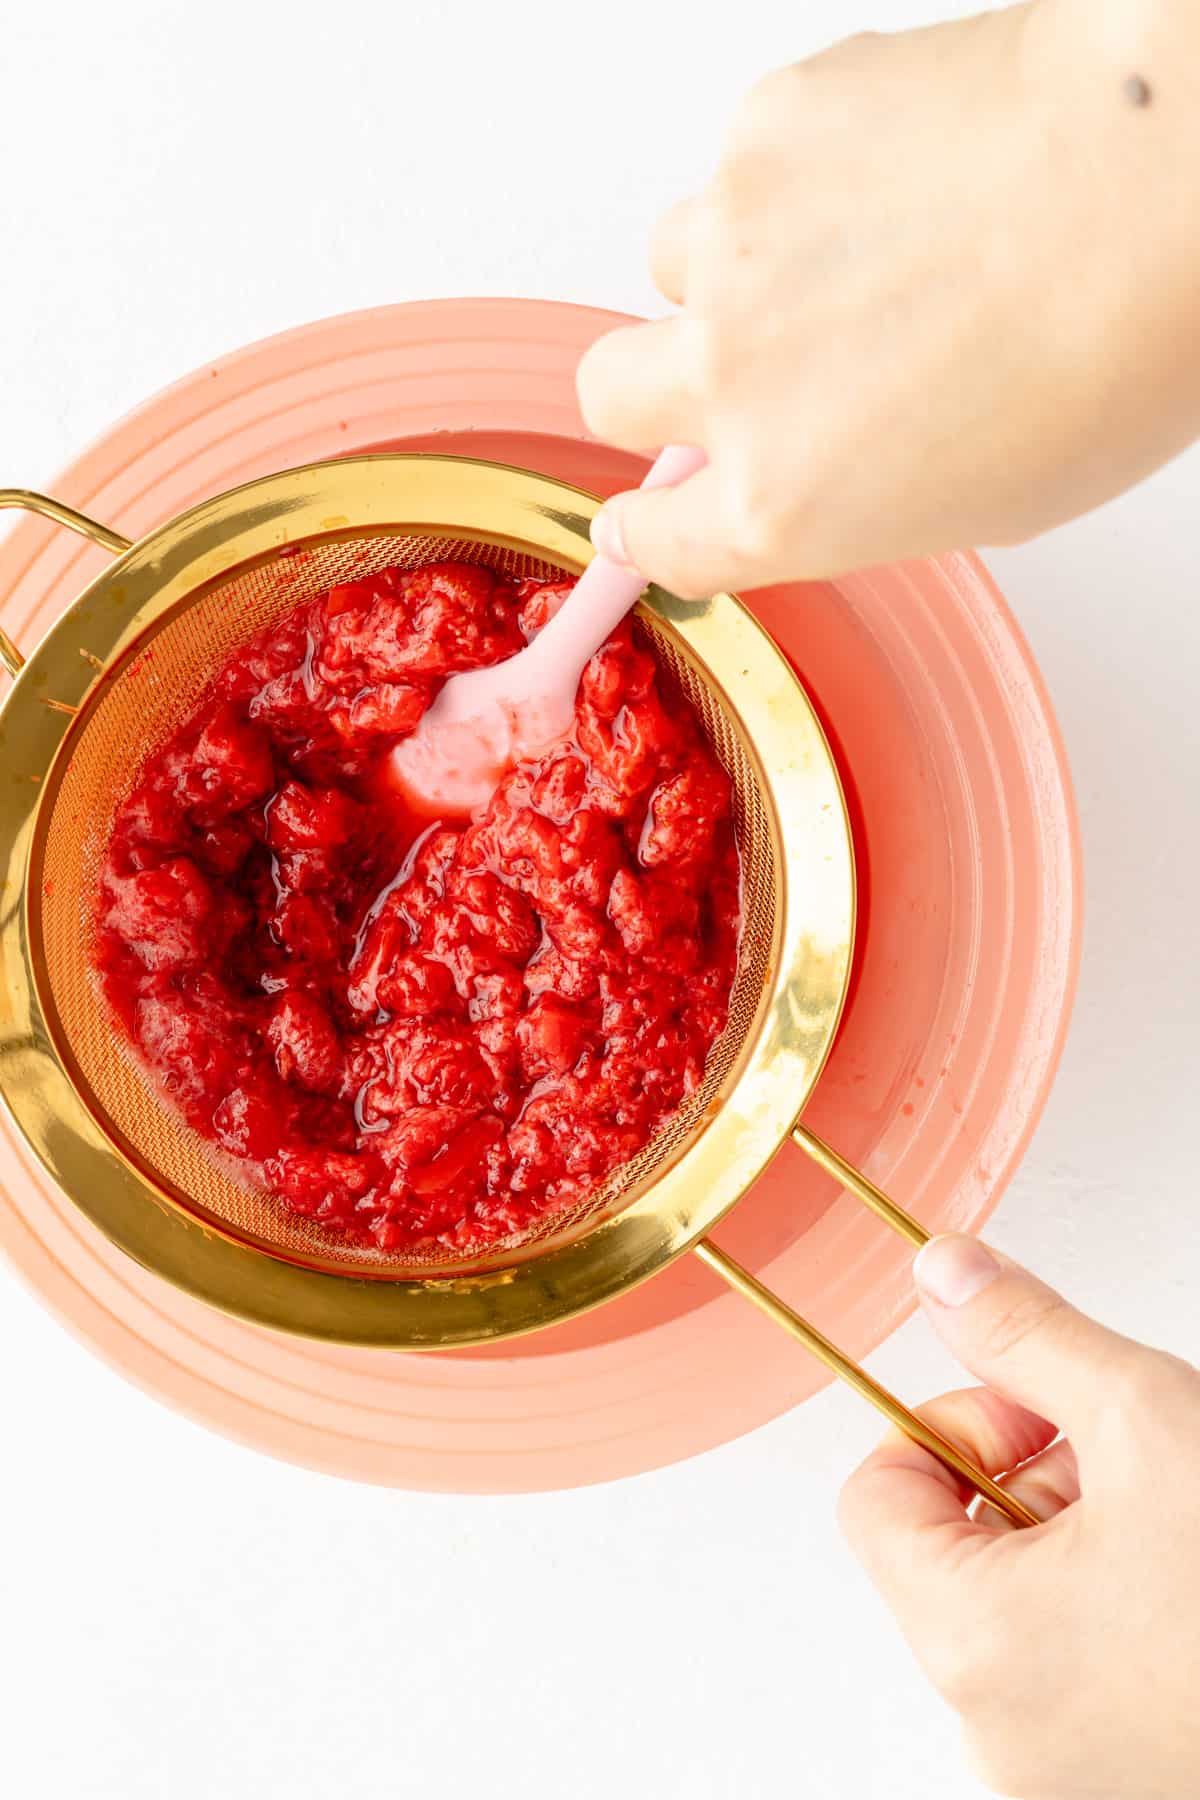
[[179, 1616]]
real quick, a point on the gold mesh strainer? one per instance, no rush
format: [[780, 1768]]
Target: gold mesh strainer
[[118, 670], [146, 693]]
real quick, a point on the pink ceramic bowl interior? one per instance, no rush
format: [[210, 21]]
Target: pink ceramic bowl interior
[[969, 888]]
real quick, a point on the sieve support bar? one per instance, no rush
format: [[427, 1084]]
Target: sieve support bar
[[27, 501], [848, 1370], [828, 1159]]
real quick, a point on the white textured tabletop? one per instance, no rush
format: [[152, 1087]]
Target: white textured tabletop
[[181, 1616]]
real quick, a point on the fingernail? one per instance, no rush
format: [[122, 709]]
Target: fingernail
[[606, 535], [952, 1270]]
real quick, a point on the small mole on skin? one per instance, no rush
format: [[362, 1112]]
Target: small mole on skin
[[1137, 90]]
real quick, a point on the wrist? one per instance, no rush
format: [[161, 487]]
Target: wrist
[[1150, 38], [1111, 91], [1128, 67]]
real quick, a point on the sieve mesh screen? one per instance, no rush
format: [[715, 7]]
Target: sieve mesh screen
[[132, 709]]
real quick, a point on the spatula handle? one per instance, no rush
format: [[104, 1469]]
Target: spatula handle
[[606, 590], [678, 462]]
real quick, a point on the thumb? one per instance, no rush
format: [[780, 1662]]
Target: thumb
[[1020, 1336], [672, 536]]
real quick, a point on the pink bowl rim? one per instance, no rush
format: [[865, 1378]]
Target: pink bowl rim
[[39, 1264]]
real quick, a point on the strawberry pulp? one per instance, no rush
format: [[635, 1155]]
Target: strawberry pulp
[[415, 1030]]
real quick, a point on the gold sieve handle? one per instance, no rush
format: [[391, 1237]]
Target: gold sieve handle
[[848, 1370], [901, 1222], [42, 504], [844, 1366]]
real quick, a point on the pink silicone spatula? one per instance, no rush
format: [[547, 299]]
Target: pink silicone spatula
[[484, 720]]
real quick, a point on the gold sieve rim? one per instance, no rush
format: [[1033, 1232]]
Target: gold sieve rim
[[769, 1082]]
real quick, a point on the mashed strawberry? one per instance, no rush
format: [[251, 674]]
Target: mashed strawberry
[[417, 1031]]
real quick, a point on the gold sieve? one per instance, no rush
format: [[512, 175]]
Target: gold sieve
[[116, 672]]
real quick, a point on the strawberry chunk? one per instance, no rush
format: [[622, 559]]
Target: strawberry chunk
[[305, 1043], [551, 1037], [230, 767], [303, 818], [164, 915]]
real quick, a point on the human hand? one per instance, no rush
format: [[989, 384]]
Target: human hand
[[942, 290], [1071, 1649]]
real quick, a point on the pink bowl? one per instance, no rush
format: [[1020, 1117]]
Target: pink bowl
[[969, 935]]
